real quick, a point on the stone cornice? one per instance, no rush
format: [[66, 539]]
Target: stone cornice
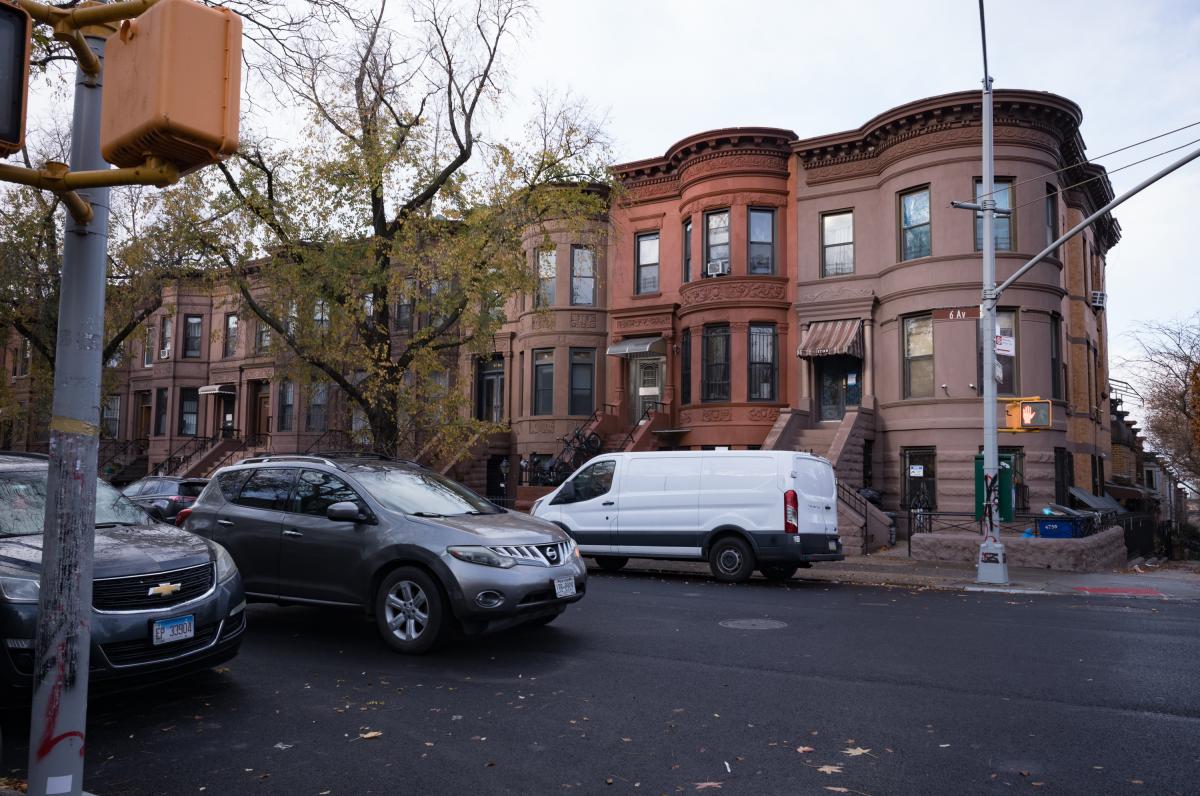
[[734, 291]]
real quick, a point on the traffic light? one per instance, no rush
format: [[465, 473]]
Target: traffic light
[[172, 87], [1035, 414], [16, 28]]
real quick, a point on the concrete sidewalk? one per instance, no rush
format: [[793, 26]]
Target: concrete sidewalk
[[1173, 581]]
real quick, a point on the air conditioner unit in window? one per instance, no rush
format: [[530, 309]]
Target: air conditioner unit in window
[[1099, 297], [717, 267], [165, 353]]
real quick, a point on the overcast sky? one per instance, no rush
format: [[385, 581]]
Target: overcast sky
[[664, 69]]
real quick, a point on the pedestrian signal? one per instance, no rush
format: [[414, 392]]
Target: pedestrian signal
[[16, 29], [1035, 414]]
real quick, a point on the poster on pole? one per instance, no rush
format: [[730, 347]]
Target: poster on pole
[[1006, 345]]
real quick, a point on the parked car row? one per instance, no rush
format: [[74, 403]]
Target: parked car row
[[420, 554]]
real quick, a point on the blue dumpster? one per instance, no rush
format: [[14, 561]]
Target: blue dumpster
[[1060, 527]]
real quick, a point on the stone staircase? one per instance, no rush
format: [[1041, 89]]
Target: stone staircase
[[816, 441]]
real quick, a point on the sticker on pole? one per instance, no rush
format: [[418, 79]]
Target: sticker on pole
[[1006, 345]]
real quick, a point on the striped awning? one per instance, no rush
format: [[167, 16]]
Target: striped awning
[[831, 338]]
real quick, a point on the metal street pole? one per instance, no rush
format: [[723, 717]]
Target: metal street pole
[[63, 643], [991, 566]]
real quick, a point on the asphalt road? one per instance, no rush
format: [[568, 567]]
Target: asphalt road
[[640, 689]]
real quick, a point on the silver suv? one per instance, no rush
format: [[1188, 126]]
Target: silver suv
[[422, 554]]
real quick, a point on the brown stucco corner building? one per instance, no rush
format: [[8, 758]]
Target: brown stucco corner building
[[748, 289]]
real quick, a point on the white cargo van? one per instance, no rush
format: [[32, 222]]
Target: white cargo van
[[773, 511]]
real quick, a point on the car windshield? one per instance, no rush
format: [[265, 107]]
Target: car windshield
[[23, 504], [422, 492]]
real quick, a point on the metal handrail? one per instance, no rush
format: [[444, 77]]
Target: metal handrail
[[859, 504], [122, 448], [646, 413], [251, 441], [182, 455]]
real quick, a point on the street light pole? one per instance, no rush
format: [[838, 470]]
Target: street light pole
[[63, 639], [991, 566]]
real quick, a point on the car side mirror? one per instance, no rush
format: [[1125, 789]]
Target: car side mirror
[[566, 494], [346, 511]]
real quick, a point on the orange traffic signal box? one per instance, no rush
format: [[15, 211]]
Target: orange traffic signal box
[[15, 30], [172, 87]]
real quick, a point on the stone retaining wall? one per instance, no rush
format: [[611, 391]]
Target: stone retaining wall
[[1097, 553]]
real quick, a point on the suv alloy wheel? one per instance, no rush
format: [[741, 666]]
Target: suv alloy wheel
[[410, 611]]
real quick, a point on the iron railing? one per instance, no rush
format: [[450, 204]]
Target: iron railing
[[651, 408], [113, 449], [250, 442], [183, 455], [578, 447]]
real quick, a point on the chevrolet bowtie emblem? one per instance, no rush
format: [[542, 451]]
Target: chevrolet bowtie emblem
[[164, 589]]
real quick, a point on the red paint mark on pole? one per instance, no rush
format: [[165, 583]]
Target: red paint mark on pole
[[1128, 592]]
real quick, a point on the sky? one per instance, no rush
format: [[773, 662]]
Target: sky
[[662, 70]]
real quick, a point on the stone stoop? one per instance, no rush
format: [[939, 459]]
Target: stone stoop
[[815, 440], [851, 527]]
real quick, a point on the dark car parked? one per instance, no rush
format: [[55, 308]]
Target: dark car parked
[[419, 552], [162, 496], [164, 602]]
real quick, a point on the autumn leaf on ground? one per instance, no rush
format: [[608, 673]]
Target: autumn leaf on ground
[[804, 750], [827, 768], [367, 736], [837, 789], [707, 785], [856, 751]]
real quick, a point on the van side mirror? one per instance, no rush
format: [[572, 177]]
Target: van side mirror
[[566, 494], [346, 511]]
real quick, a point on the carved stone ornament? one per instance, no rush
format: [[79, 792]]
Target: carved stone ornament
[[685, 418], [543, 321], [583, 320], [645, 322], [724, 289], [767, 414], [722, 162], [834, 294], [716, 415]]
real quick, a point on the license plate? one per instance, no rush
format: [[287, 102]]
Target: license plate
[[165, 631], [564, 587], [832, 546]]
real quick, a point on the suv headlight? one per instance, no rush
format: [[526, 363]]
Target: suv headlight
[[226, 569], [481, 555], [19, 590]]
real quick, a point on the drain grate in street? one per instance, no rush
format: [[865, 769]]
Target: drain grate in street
[[753, 624]]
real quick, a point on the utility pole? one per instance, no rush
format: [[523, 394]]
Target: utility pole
[[63, 643], [991, 565]]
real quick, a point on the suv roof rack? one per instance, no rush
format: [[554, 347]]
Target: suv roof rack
[[26, 454], [286, 457], [371, 455]]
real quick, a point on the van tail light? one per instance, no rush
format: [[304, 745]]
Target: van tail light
[[181, 516], [791, 512]]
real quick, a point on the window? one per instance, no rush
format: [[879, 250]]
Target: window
[[287, 405], [547, 260], [685, 367], [168, 331], [762, 362], [543, 381], [918, 357], [1006, 326], [1051, 213], [24, 356], [404, 306], [193, 328], [189, 411], [915, 227], [321, 315], [110, 417], [715, 366], [687, 250], [583, 381], [160, 412], [148, 348], [262, 338], [229, 349], [317, 491], [1057, 375], [595, 481], [267, 489], [1001, 225], [716, 243], [317, 417], [762, 241], [918, 478], [647, 263], [583, 276], [837, 243], [230, 483], [1064, 475]]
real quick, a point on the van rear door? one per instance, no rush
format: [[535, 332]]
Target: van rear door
[[817, 492]]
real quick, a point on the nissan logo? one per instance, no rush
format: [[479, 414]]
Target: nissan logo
[[551, 554]]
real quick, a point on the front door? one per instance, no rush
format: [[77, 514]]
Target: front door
[[262, 412], [839, 385], [646, 379], [142, 429], [489, 404], [226, 415]]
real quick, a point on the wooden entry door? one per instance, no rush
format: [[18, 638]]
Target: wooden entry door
[[142, 418], [262, 411]]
